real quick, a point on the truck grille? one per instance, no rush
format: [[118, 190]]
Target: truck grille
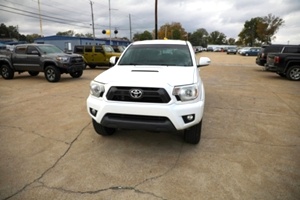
[[76, 60], [148, 95]]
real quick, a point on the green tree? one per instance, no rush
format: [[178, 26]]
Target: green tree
[[30, 38], [9, 31], [267, 27], [66, 33], [89, 35], [199, 37], [217, 37], [172, 31], [79, 35], [231, 41], [260, 30], [248, 36], [146, 35]]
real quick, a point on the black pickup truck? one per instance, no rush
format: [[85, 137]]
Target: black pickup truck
[[287, 65], [269, 65], [265, 50], [36, 58]]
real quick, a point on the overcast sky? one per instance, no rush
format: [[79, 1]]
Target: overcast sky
[[226, 16]]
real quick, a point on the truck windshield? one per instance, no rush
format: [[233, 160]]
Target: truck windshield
[[48, 49], [157, 54], [108, 48]]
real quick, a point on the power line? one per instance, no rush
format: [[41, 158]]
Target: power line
[[37, 14], [36, 17]]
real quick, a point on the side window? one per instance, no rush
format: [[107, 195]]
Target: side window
[[78, 49], [291, 50], [31, 50], [278, 49], [98, 49], [88, 49], [20, 50]]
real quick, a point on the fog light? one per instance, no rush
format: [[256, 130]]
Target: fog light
[[188, 118], [93, 112]]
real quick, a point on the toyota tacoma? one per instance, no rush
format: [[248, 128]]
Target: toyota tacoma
[[155, 85]]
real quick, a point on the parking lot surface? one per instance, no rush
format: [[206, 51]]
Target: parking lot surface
[[249, 148]]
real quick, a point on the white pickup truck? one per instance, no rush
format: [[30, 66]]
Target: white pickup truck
[[154, 85]]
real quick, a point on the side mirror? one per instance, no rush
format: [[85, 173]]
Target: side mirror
[[113, 60], [203, 61], [35, 52]]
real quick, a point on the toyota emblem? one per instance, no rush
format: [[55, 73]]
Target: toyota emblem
[[136, 93]]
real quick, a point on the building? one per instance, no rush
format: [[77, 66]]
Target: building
[[67, 43]]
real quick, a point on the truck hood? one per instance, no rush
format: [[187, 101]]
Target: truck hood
[[148, 75]]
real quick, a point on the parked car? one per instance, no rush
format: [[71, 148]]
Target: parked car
[[252, 51], [209, 49], [118, 49], [243, 49], [231, 50], [96, 55], [269, 65], [198, 49], [139, 93], [288, 65], [261, 58], [217, 49], [36, 58]]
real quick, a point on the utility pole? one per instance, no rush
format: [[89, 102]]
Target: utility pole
[[41, 28], [92, 19], [155, 19], [130, 35], [109, 22]]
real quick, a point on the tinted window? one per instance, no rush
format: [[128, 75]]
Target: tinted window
[[21, 50], [49, 49], [156, 54], [31, 50], [78, 49], [291, 50], [108, 48], [88, 48], [98, 49]]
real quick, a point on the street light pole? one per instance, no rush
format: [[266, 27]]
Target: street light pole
[[109, 22], [155, 19], [92, 19], [41, 28]]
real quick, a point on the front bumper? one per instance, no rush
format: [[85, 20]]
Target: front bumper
[[145, 116], [71, 68]]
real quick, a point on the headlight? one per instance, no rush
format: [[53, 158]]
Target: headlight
[[96, 89], [62, 59], [186, 92]]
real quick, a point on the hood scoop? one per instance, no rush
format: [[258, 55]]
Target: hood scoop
[[144, 70]]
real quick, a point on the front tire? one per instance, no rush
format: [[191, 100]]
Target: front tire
[[52, 74], [192, 135], [102, 130], [7, 72], [76, 74], [293, 73]]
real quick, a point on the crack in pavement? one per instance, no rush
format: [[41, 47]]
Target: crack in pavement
[[41, 176], [100, 190], [134, 188]]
